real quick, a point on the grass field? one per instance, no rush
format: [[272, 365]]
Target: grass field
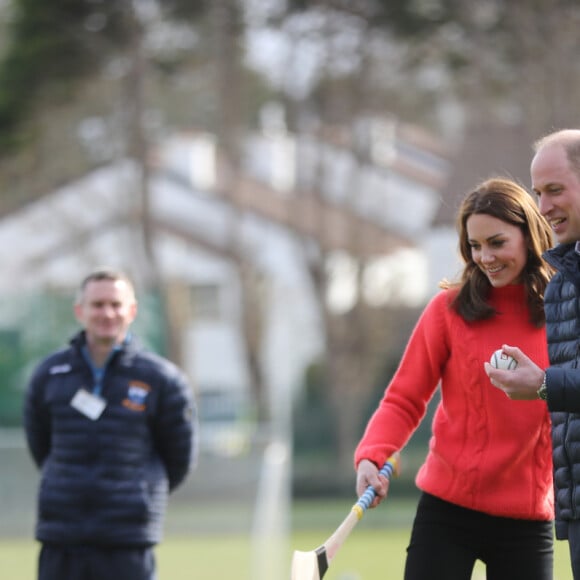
[[368, 554], [373, 551]]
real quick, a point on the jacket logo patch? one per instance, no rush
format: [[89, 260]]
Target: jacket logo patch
[[59, 369], [137, 396]]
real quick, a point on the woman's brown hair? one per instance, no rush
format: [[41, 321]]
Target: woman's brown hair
[[508, 201]]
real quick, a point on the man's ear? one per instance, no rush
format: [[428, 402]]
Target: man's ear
[[134, 309], [78, 312]]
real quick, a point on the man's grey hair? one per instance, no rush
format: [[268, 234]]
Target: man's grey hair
[[103, 273]]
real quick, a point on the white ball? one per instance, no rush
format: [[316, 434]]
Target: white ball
[[500, 360]]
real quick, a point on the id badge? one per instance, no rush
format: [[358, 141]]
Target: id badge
[[91, 406]]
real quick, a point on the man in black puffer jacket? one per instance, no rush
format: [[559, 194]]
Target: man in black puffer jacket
[[556, 181], [111, 427]]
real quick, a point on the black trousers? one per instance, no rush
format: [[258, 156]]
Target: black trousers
[[58, 562], [446, 541]]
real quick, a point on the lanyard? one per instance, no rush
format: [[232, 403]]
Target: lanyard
[[98, 372]]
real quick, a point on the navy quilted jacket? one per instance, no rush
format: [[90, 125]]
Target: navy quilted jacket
[[106, 481], [562, 306]]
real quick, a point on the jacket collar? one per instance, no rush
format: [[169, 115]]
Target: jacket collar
[[127, 348], [565, 258]]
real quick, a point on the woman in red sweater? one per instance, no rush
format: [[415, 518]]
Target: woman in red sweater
[[487, 480]]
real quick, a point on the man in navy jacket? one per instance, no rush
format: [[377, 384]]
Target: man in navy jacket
[[555, 172], [111, 427]]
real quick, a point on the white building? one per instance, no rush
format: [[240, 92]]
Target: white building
[[53, 242]]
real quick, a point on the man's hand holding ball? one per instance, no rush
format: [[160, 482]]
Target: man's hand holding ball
[[510, 370], [500, 360]]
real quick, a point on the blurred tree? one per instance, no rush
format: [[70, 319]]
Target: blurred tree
[[425, 55], [226, 17], [82, 111], [54, 45], [48, 49]]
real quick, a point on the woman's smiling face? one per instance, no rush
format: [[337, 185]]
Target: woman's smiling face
[[498, 248]]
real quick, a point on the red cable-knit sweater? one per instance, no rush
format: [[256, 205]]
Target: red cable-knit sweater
[[487, 452]]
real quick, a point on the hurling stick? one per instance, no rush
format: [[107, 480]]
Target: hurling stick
[[313, 565]]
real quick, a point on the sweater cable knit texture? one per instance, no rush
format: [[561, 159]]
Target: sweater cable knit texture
[[487, 452]]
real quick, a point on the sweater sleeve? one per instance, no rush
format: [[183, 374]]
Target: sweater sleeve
[[406, 397]]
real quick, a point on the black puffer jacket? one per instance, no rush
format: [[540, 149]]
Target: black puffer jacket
[[106, 481], [562, 306]]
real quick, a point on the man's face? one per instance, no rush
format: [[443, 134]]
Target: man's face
[[558, 189], [106, 310]]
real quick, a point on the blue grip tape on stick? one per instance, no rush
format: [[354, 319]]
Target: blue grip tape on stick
[[365, 500]]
